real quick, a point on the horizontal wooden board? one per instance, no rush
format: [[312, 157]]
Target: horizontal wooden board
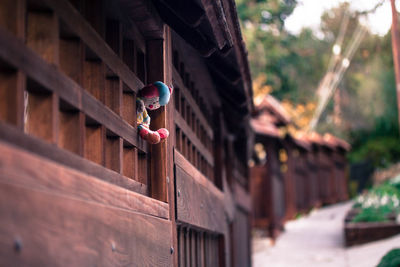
[[43, 229], [25, 169], [14, 136], [199, 202]]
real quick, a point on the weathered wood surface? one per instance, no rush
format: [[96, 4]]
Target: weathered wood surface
[[14, 136], [69, 15], [47, 176], [57, 82], [46, 229], [199, 201]]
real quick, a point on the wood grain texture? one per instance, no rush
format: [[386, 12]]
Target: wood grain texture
[[56, 230], [42, 35], [47, 176], [17, 138], [199, 202], [69, 132], [95, 144], [42, 116], [64, 87], [158, 161], [69, 15]]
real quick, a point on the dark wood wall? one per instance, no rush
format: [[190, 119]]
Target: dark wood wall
[[78, 186]]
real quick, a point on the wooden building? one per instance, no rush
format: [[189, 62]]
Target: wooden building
[[292, 173], [268, 175], [78, 187]]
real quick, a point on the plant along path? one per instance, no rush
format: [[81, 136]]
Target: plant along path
[[317, 240]]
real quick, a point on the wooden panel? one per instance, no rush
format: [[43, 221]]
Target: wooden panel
[[113, 94], [94, 78], [42, 35], [42, 116], [130, 163], [129, 108], [71, 58], [64, 87], [199, 202], [94, 41], [94, 144], [70, 135], [17, 138], [12, 16], [25, 169], [113, 153], [86, 233]]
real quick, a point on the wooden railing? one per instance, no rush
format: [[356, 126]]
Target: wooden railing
[[69, 78]]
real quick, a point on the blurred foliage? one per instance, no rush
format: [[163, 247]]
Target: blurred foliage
[[290, 67], [391, 259], [382, 151], [379, 204]]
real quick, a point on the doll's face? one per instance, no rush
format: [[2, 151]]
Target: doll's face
[[151, 103]]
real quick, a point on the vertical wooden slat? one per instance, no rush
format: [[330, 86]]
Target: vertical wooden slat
[[193, 248], [158, 166], [12, 85], [181, 247], [187, 247]]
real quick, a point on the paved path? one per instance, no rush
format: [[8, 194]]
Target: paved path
[[317, 240]]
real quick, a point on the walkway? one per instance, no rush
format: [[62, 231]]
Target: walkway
[[317, 240]]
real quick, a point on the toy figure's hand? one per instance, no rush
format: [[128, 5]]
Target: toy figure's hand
[[139, 106]]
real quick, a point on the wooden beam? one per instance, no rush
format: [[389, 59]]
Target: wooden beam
[[158, 163], [14, 136], [53, 229], [45, 175], [199, 201]]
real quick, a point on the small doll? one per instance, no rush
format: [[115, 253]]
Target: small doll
[[151, 97]]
